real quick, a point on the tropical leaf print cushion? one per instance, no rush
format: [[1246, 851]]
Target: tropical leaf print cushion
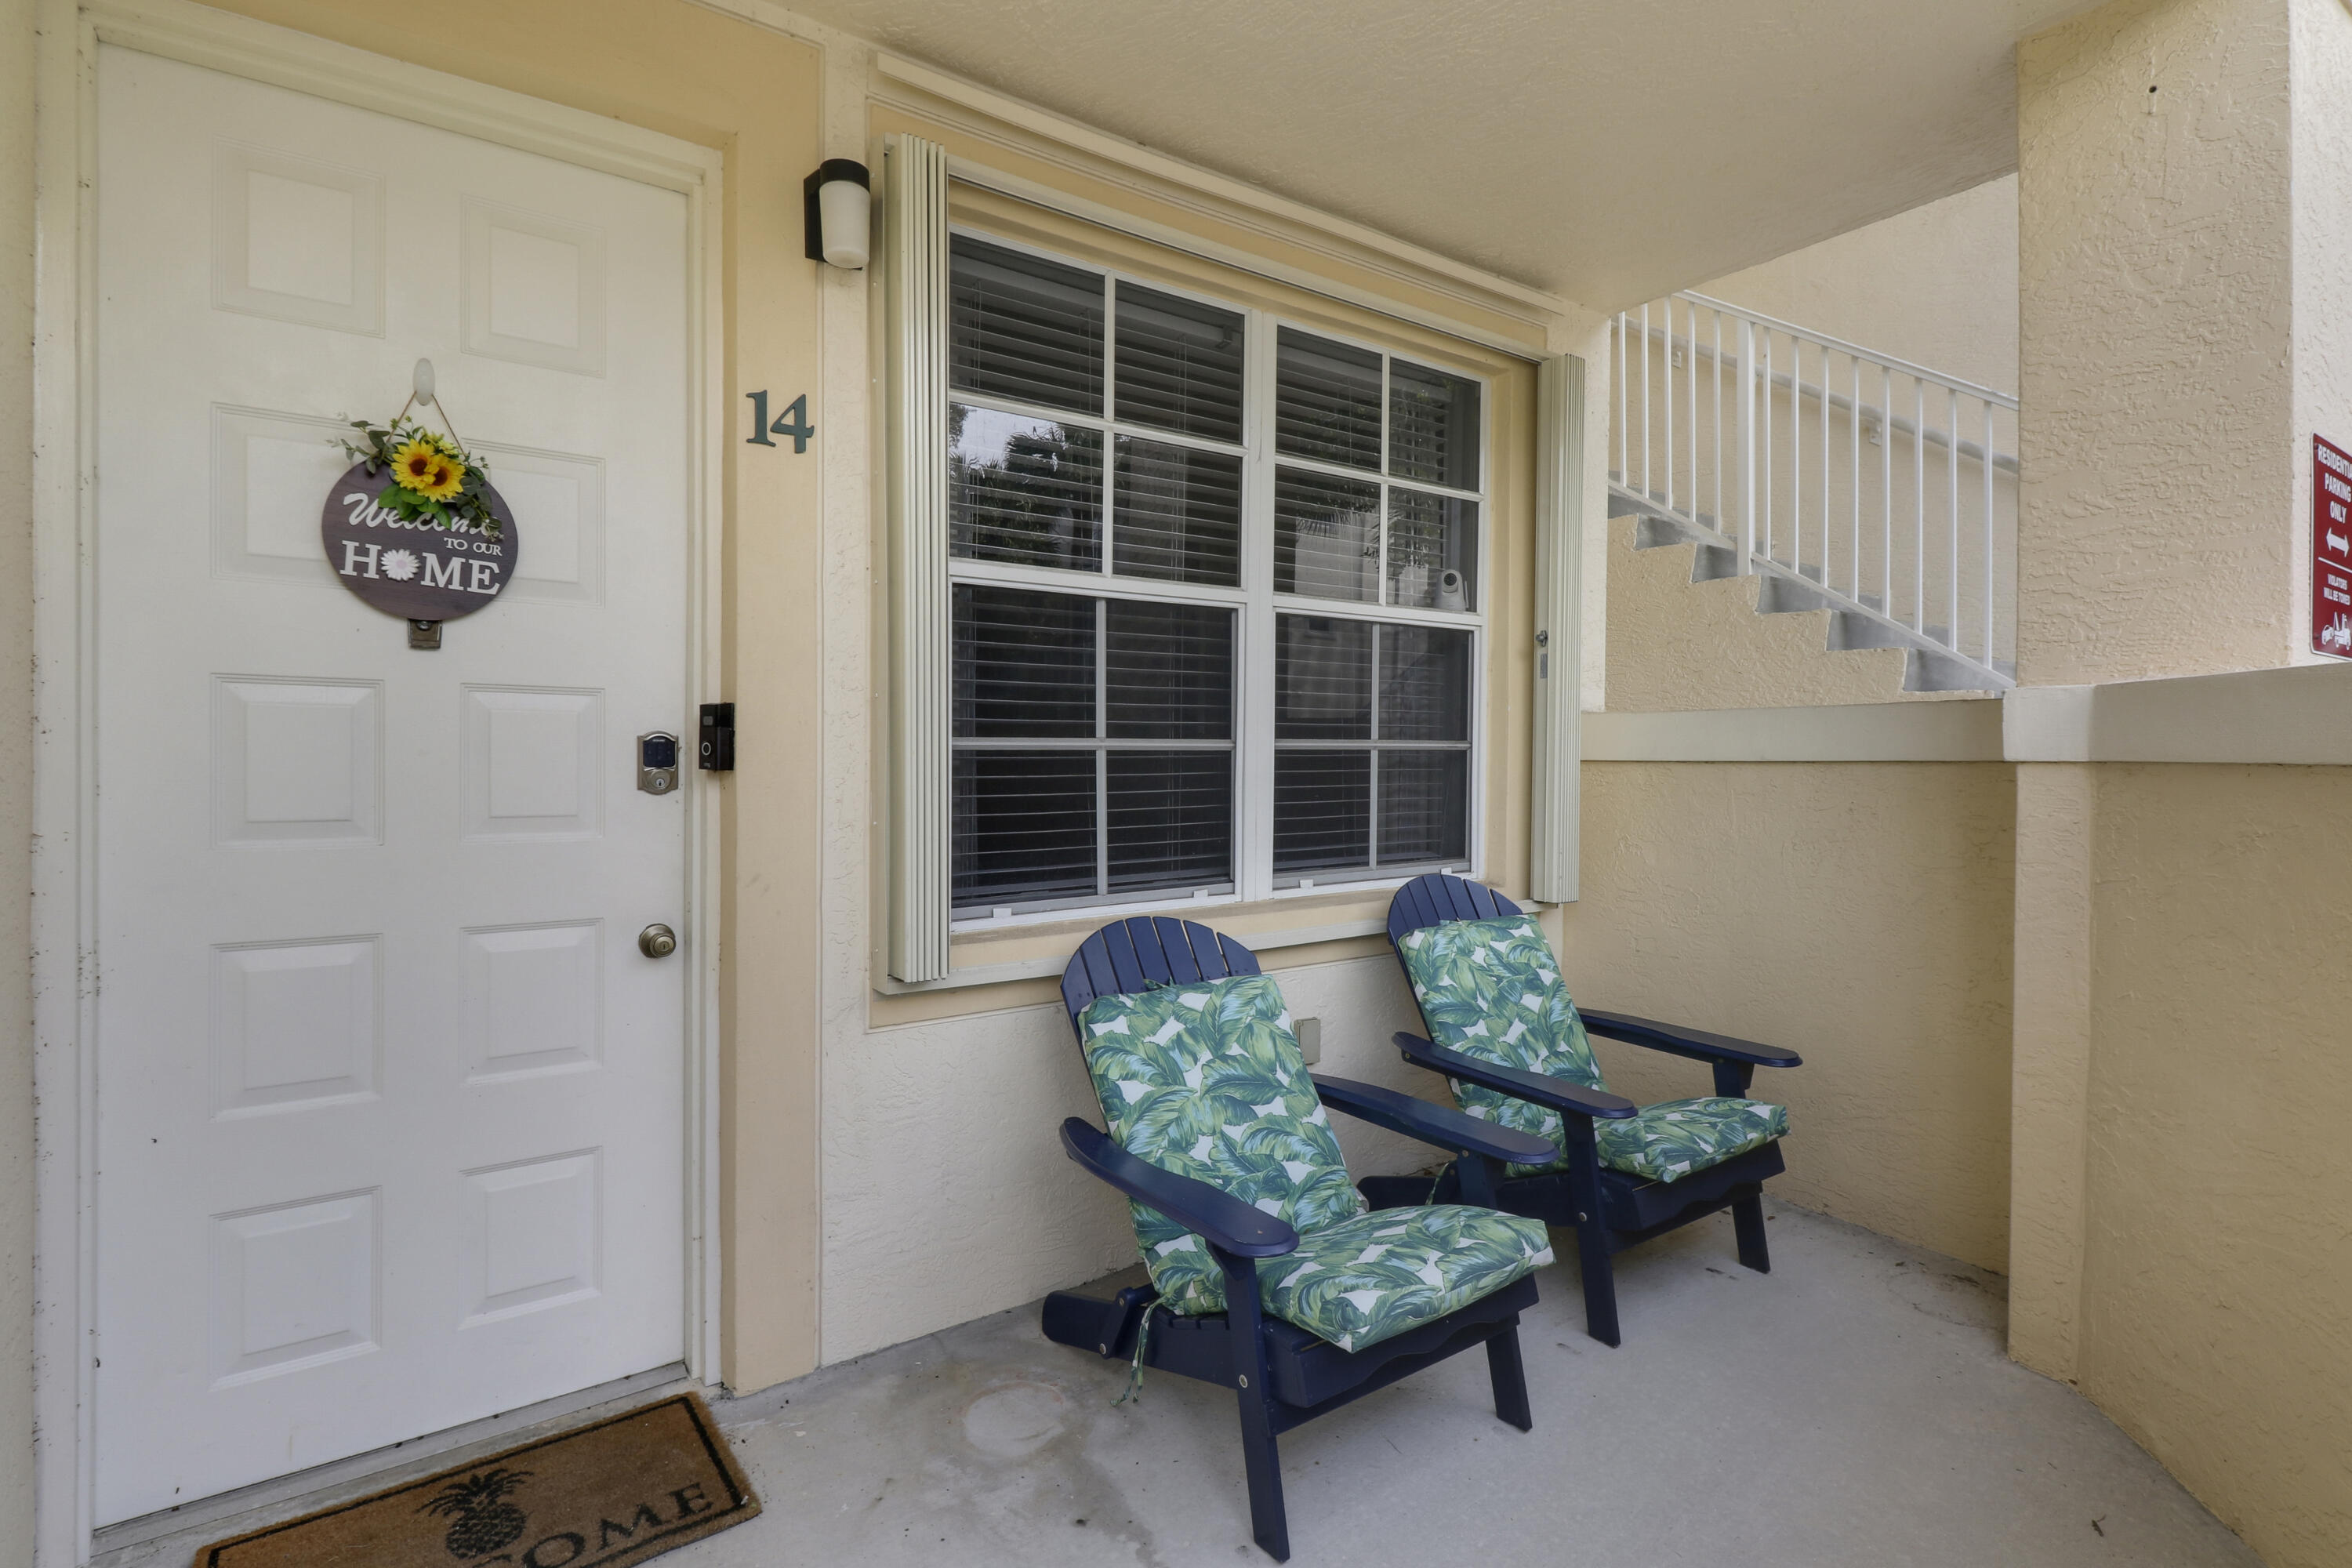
[[1670, 1139], [1206, 1080], [1490, 989], [1368, 1278]]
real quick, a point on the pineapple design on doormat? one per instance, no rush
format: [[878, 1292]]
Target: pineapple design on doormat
[[486, 1521]]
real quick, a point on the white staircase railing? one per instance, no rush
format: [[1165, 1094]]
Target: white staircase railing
[[1849, 481]]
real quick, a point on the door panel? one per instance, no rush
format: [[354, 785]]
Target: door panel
[[391, 1109]]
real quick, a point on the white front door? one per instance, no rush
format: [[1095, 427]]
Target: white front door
[[391, 1109]]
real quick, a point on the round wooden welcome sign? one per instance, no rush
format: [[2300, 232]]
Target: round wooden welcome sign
[[411, 569]]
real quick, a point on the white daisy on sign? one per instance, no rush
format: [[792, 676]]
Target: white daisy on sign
[[399, 565]]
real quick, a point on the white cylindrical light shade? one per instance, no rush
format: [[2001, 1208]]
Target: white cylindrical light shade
[[844, 211]]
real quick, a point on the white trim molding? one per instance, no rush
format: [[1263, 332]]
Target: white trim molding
[[1967, 730], [1046, 966], [2299, 715], [914, 210], [922, 88], [1559, 627], [63, 805]]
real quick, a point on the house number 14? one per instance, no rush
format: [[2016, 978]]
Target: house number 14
[[793, 422]]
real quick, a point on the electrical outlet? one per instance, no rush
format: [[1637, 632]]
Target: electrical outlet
[[1310, 1038]]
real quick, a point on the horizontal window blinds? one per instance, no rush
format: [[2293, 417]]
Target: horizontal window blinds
[[1093, 746]]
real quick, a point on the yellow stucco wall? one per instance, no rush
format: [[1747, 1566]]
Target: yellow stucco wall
[[2217, 1285], [1937, 285], [2154, 267], [2181, 989], [1856, 914]]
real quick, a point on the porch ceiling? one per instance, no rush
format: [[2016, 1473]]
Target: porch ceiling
[[1605, 152]]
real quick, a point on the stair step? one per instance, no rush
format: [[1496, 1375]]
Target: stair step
[[1779, 595], [1850, 633], [1926, 671], [1712, 563], [1652, 532], [1791, 590]]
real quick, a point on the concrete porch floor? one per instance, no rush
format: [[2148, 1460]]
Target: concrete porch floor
[[1853, 1407]]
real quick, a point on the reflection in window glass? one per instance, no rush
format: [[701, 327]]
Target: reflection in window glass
[[1179, 513], [1327, 400], [1023, 328], [1424, 684], [1432, 425], [1022, 489], [1432, 547], [1322, 678], [1179, 365], [1327, 536]]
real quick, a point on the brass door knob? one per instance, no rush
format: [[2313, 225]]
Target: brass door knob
[[657, 940]]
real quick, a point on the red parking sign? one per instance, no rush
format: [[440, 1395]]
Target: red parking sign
[[2331, 548]]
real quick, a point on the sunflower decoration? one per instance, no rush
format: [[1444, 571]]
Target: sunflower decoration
[[435, 481]]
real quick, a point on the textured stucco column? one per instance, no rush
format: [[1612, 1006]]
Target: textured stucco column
[[2185, 323], [2050, 1064], [2155, 320], [2185, 316]]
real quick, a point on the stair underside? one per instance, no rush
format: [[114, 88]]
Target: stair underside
[[1930, 664]]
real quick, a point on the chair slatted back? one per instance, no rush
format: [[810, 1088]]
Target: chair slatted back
[[1436, 898], [1126, 955]]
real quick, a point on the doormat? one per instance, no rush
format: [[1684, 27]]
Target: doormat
[[603, 1496]]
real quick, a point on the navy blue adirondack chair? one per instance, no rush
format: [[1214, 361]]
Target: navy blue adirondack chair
[[1610, 1210], [1283, 1374]]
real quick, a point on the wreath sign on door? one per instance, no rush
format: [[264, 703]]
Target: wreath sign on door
[[414, 527]]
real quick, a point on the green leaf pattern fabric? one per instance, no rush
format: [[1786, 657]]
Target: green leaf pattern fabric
[[1492, 990], [1206, 1080], [1372, 1277], [1670, 1139]]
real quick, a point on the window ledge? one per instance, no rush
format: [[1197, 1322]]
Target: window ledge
[[1049, 965]]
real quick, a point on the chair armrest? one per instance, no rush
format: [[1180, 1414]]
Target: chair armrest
[[1553, 1094], [1218, 1218], [1440, 1125], [1696, 1044]]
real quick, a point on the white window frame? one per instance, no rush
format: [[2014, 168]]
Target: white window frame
[[1256, 601]]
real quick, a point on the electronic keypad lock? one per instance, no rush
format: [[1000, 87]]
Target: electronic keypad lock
[[657, 762]]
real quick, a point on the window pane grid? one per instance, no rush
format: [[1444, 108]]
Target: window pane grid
[[1342, 410], [1130, 470], [1330, 470], [1371, 746], [1094, 747]]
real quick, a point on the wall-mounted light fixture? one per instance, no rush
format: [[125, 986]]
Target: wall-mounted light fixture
[[837, 204]]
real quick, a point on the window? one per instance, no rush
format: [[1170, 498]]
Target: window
[[1166, 514]]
